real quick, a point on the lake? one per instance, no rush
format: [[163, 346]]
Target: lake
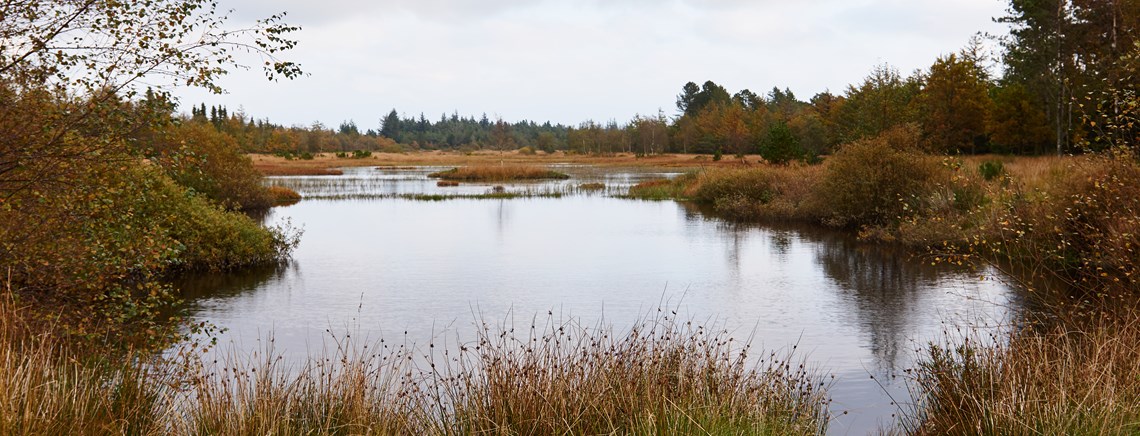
[[376, 262]]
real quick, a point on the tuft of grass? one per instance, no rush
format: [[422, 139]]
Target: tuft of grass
[[661, 189], [661, 376], [501, 173], [50, 386], [592, 187], [1057, 380], [282, 196]]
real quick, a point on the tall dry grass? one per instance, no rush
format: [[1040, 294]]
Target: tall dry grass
[[662, 377], [1058, 380], [50, 386]]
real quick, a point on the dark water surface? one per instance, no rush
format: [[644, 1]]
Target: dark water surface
[[380, 265]]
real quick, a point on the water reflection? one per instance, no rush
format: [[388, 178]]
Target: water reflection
[[425, 267]]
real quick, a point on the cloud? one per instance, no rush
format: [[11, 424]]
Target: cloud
[[589, 59]]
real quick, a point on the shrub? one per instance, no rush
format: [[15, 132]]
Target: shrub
[[875, 181], [527, 151], [655, 190], [991, 169], [94, 254], [210, 162]]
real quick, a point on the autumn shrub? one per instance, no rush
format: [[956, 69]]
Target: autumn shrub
[[735, 193], [90, 255], [199, 157], [664, 189], [876, 182], [1083, 230], [1069, 240]]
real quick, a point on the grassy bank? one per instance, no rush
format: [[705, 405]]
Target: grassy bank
[[662, 376]]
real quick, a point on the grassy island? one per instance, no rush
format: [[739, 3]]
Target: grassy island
[[498, 174]]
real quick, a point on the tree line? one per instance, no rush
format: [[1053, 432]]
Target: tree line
[[1067, 69]]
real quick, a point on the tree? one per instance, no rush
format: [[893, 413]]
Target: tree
[[86, 58], [687, 100], [954, 104], [1017, 124], [390, 126], [780, 146], [692, 99], [882, 101], [501, 138]]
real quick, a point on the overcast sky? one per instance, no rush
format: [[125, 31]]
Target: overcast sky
[[569, 61]]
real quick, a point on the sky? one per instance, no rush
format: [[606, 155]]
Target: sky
[[572, 61]]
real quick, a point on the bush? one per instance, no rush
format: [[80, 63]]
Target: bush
[[210, 162], [991, 169], [876, 181], [93, 255]]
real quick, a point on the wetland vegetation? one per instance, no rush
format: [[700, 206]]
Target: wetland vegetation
[[108, 195]]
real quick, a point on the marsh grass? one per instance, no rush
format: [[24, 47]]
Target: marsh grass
[[282, 196], [501, 173], [1053, 380], [661, 376], [48, 385]]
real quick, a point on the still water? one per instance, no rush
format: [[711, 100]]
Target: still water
[[374, 263]]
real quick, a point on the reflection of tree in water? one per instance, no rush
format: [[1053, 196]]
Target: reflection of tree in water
[[880, 283], [232, 284], [883, 284], [262, 216]]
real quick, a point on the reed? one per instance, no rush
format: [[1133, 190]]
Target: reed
[[661, 376], [50, 386], [1058, 380]]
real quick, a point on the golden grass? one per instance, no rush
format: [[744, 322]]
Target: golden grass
[[498, 173], [282, 196], [660, 377], [1056, 380]]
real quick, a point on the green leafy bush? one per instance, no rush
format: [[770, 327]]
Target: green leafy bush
[[991, 169]]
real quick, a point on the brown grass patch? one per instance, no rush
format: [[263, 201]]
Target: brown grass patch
[[282, 196], [1059, 380], [501, 173]]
